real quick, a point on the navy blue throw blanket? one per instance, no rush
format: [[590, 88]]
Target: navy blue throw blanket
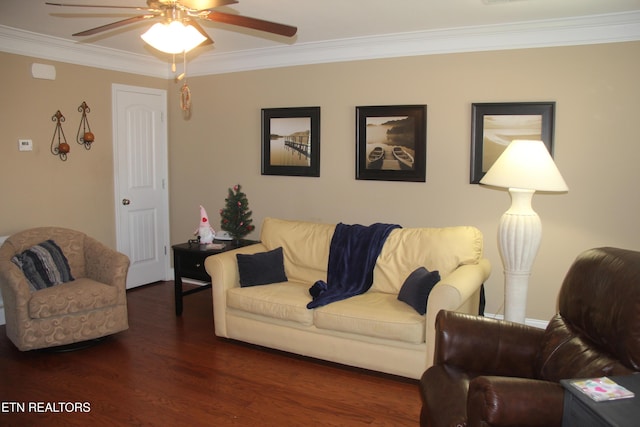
[[352, 257]]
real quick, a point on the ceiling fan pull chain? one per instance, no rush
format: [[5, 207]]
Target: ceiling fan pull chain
[[185, 98], [184, 62], [185, 92]]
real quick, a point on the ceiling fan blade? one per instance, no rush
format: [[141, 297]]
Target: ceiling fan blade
[[95, 5], [206, 4], [201, 30], [113, 25], [256, 24]]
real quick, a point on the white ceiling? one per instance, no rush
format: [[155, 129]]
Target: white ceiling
[[325, 26]]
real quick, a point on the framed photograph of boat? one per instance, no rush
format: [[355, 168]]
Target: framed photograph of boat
[[291, 141], [391, 143], [495, 125]]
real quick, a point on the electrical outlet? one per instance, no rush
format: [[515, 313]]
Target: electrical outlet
[[25, 145]]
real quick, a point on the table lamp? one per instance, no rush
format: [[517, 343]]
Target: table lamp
[[524, 167]]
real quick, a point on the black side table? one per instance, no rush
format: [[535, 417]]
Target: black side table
[[188, 261], [581, 411]]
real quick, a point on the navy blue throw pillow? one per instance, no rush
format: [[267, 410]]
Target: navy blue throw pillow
[[262, 268], [417, 287], [44, 265]]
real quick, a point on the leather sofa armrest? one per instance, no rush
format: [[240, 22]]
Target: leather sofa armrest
[[459, 291], [486, 346], [223, 269], [503, 401]]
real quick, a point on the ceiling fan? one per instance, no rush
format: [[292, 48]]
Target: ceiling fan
[[179, 30], [188, 12]]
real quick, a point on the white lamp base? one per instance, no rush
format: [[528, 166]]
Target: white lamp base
[[519, 234]]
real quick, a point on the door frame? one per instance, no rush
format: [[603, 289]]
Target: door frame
[[115, 88]]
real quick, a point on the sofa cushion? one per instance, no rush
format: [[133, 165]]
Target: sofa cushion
[[303, 262], [261, 268], [417, 287], [72, 297], [44, 265], [374, 314], [442, 249], [285, 301]]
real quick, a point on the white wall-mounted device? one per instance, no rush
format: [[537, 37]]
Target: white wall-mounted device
[[43, 71], [25, 145]]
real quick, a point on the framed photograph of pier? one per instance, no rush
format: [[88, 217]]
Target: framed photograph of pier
[[391, 143], [291, 141], [495, 125]]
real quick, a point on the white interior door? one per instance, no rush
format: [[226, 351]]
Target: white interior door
[[140, 171]]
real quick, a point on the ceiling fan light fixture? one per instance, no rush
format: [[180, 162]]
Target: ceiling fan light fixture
[[173, 37]]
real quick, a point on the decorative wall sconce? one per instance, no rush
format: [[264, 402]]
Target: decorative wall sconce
[[59, 147], [84, 136]]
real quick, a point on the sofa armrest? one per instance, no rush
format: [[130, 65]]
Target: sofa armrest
[[459, 291], [223, 269], [486, 346], [106, 265], [14, 288], [504, 401]]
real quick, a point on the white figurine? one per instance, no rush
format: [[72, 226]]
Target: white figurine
[[205, 232]]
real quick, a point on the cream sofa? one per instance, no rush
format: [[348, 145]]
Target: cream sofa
[[373, 330]]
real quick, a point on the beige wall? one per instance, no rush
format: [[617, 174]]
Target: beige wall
[[597, 92], [37, 188], [597, 148]]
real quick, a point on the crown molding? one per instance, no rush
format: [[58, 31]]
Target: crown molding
[[21, 42], [611, 28], [594, 29]]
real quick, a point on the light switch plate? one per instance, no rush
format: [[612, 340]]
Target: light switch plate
[[25, 145]]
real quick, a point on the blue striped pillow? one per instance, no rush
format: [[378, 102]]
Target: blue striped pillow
[[44, 265]]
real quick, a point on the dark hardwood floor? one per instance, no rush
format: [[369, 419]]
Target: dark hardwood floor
[[173, 371]]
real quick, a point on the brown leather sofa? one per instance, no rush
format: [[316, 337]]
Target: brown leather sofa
[[489, 372]]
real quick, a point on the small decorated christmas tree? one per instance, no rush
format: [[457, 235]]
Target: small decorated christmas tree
[[236, 216]]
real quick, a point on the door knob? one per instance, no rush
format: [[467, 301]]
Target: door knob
[[126, 202]]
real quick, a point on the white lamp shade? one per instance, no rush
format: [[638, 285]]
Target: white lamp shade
[[525, 164], [174, 37]]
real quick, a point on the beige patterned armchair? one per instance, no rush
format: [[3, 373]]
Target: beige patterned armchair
[[91, 306]]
